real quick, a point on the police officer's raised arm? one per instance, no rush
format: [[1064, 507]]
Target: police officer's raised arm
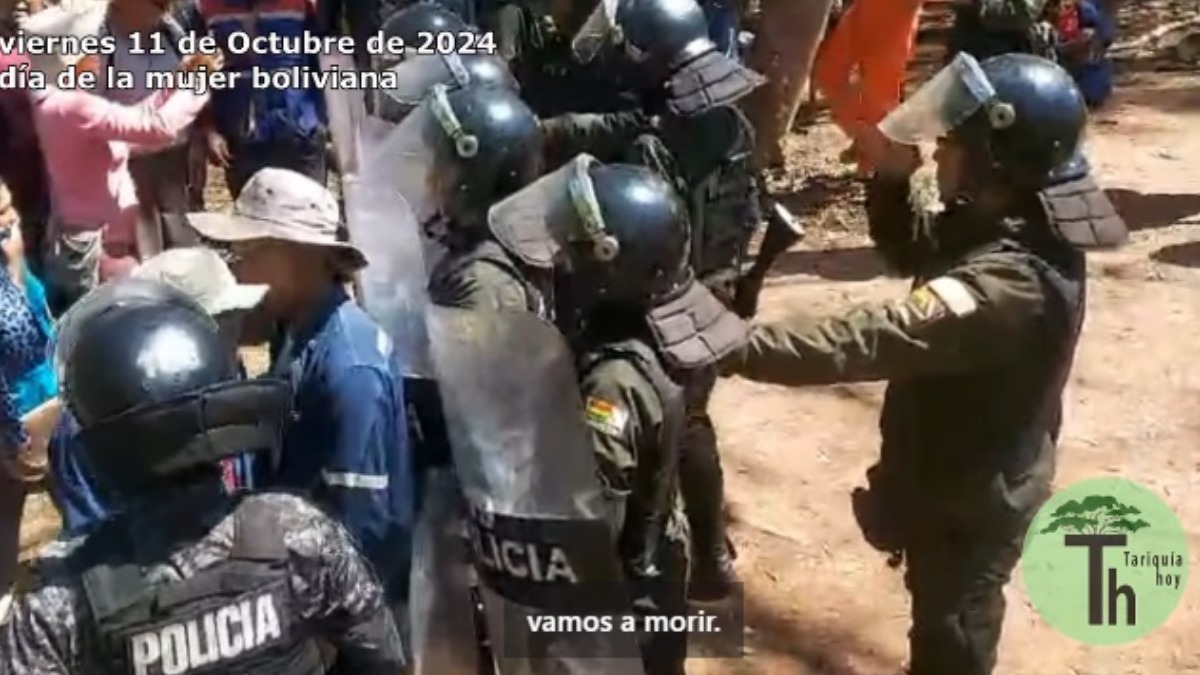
[[977, 315], [622, 418]]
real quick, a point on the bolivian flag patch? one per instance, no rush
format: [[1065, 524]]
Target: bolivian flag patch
[[607, 418]]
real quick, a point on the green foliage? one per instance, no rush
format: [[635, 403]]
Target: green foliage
[[1095, 514]]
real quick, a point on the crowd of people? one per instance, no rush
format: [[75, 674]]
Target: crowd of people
[[519, 306]]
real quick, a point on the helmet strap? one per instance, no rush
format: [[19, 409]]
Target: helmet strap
[[582, 192], [466, 145]]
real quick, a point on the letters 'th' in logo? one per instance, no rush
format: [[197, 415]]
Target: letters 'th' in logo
[[1097, 522]]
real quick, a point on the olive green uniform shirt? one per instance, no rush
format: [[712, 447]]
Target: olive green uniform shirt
[[980, 312], [626, 417]]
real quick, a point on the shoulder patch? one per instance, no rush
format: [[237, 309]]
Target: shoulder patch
[[608, 418], [923, 306], [955, 294]]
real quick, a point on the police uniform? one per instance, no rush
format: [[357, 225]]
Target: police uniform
[[485, 144], [485, 277], [605, 136], [266, 585], [703, 145], [636, 414], [187, 577], [708, 158], [615, 239], [976, 355]]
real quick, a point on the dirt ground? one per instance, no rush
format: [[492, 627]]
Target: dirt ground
[[819, 601]]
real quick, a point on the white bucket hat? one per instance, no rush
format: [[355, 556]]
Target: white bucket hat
[[285, 206], [202, 275]]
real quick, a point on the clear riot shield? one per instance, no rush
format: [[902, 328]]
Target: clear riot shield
[[381, 223], [404, 160], [346, 111], [444, 634], [416, 76], [598, 30], [354, 132], [542, 532], [444, 640]]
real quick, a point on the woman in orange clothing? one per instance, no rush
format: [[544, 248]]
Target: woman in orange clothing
[[860, 68]]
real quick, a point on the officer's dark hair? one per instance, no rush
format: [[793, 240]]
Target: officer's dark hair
[[147, 375], [1030, 136], [498, 152]]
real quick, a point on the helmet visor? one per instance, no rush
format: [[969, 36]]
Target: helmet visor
[[418, 73], [599, 29], [411, 152], [547, 216], [951, 96], [385, 61]]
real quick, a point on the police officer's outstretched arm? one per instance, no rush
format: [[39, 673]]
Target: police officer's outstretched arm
[[981, 311], [344, 599], [977, 315]]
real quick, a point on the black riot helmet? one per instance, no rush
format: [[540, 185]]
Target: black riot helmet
[[663, 33], [462, 150], [416, 76], [668, 52], [1034, 129], [147, 374], [418, 24], [646, 223], [617, 232], [1020, 116]]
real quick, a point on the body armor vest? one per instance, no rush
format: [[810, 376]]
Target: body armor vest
[[234, 616], [651, 502], [711, 166]]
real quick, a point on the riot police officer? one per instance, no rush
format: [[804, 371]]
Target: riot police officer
[[704, 145], [616, 237], [978, 353], [458, 153], [187, 576]]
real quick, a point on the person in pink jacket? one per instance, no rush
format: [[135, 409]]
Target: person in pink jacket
[[86, 141]]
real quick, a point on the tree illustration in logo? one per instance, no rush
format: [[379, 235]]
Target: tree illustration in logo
[[1095, 515]]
